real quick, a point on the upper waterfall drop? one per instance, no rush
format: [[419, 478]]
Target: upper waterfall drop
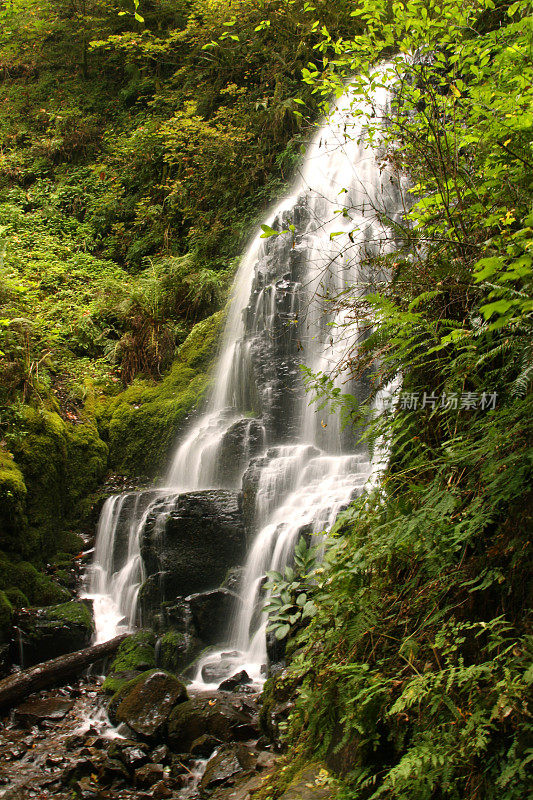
[[260, 433]]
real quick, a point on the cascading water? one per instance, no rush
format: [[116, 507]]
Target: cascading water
[[298, 465]]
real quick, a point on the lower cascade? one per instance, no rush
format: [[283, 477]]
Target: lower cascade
[[262, 466]]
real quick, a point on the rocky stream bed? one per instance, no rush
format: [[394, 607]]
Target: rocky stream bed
[[60, 744]]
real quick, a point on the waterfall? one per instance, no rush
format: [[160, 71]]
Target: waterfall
[[298, 464]]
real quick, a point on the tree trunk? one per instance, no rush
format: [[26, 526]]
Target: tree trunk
[[50, 673]]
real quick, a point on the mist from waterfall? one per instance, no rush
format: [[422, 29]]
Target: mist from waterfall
[[298, 464]]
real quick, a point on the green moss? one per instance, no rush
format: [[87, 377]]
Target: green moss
[[12, 498], [70, 542], [17, 598], [38, 588], [297, 779], [135, 654], [120, 693], [6, 615], [76, 612], [141, 424], [199, 347], [177, 651], [86, 460], [60, 463]]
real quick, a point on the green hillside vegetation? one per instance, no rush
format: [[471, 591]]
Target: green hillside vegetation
[[135, 157]]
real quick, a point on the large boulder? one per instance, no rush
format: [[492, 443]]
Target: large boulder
[[212, 716], [188, 544], [45, 633], [145, 703]]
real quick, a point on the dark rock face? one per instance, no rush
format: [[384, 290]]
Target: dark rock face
[[275, 648], [203, 746], [233, 579], [241, 442], [188, 544], [212, 612], [146, 706], [53, 631]]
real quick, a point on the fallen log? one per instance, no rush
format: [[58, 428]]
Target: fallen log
[[50, 673]]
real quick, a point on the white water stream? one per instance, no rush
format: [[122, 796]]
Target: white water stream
[[281, 315]]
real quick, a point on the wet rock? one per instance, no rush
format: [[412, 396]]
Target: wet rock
[[203, 536], [204, 746], [176, 615], [233, 579], [35, 711], [161, 791], [242, 441], [161, 754], [14, 754], [76, 770], [217, 670], [147, 776], [230, 684], [87, 789], [225, 765], [201, 715], [112, 770], [146, 702], [212, 612], [5, 660], [53, 631], [16, 793], [54, 761], [275, 649], [132, 754], [178, 650]]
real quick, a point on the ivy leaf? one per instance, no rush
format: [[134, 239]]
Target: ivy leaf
[[282, 631]]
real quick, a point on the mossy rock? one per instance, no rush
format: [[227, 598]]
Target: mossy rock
[[6, 617], [87, 457], [17, 598], [39, 589], [53, 631], [142, 423], [134, 656], [146, 702], [12, 499], [61, 463], [178, 650], [275, 704], [312, 782]]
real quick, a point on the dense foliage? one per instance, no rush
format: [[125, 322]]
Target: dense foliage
[[415, 672], [136, 150]]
